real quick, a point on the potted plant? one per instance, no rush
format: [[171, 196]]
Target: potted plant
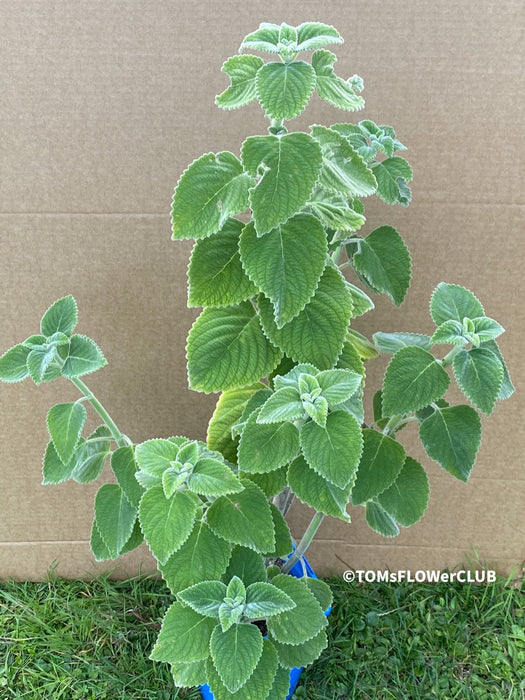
[[275, 339]]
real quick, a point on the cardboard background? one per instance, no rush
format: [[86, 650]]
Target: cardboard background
[[103, 105]]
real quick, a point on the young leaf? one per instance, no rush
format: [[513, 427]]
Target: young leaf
[[361, 302], [361, 344], [280, 193], [317, 410], [166, 522], [184, 636], [90, 455], [13, 364], [65, 422], [247, 565], [384, 261], [284, 89], [236, 653], [244, 518], [227, 349], [213, 188], [392, 175], [392, 342], [380, 521], [265, 38], [265, 447], [335, 212], [507, 388], [241, 71], [84, 357], [204, 597], [406, 499], [204, 555], [61, 317], [381, 461], [259, 685], [265, 600], [303, 622], [413, 379], [312, 35], [115, 517], [479, 374], [44, 364], [452, 302], [333, 451], [487, 329], [299, 655], [450, 332], [338, 385], [253, 403], [286, 264], [215, 273], [338, 92], [316, 491], [317, 334], [211, 477], [124, 467], [156, 455], [284, 405], [53, 469]]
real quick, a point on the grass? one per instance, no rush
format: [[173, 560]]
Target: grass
[[74, 640]]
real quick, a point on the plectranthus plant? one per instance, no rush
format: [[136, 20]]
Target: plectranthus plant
[[283, 264]]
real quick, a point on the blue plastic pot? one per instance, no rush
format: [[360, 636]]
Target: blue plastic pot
[[297, 571]]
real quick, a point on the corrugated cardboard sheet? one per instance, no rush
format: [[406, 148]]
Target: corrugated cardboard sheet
[[102, 106]]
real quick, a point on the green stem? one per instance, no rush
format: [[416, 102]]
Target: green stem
[[99, 408], [305, 542], [449, 357]]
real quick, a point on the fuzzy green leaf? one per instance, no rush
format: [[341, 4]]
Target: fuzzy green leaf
[[236, 653], [215, 273], [166, 522], [334, 451], [283, 405], [380, 521], [392, 175], [204, 597], [115, 517], [61, 317], [286, 264], [312, 35], [303, 622], [413, 379], [317, 334], [244, 518], [479, 375], [335, 212], [184, 636], [361, 302], [265, 600], [338, 92], [227, 349], [384, 261], [316, 491], [392, 342], [450, 333], [156, 455], [259, 684], [45, 364], [188, 675], [452, 302], [284, 89], [211, 477], [84, 357], [265, 38], [381, 461], [13, 364], [283, 537], [124, 467], [271, 483], [487, 328], [406, 499], [265, 447], [241, 71], [90, 456], [507, 388], [247, 565], [288, 167], [65, 422], [212, 189], [299, 655], [53, 469], [338, 385]]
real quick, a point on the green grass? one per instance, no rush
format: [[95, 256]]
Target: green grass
[[73, 640]]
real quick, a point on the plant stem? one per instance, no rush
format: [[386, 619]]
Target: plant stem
[[99, 408], [449, 357], [305, 542]]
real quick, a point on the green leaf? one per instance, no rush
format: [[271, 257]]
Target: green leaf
[[335, 212], [212, 189], [236, 653], [360, 343], [91, 455], [13, 364], [286, 264], [392, 342], [479, 375], [338, 385], [115, 517], [44, 364], [271, 483], [283, 538], [98, 547], [338, 92], [413, 379], [381, 461], [84, 357], [321, 591], [166, 522], [241, 71], [452, 302], [406, 499], [247, 565], [156, 455], [265, 600], [229, 614], [317, 334], [351, 359], [184, 636], [343, 170], [299, 655], [284, 405], [361, 302], [333, 451], [211, 477], [312, 35], [124, 467], [487, 329], [253, 403], [507, 388], [317, 410], [53, 469], [384, 261], [244, 518], [65, 422], [215, 273], [316, 491], [392, 175], [265, 447], [227, 349], [135, 540], [204, 555], [258, 685], [265, 39], [303, 622], [171, 480], [451, 333], [380, 521], [204, 597], [188, 675], [61, 317], [228, 411], [284, 89], [277, 160]]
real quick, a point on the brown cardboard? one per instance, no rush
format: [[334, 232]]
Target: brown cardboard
[[103, 106]]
